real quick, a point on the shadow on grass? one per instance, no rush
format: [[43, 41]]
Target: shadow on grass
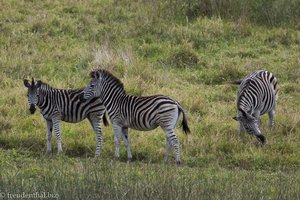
[[35, 147]]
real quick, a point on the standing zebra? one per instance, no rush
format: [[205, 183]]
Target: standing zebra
[[257, 95], [138, 112], [64, 105]]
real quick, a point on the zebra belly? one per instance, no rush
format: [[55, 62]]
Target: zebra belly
[[65, 118], [141, 125], [72, 119], [134, 125], [144, 128]]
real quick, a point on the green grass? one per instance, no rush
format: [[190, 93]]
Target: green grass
[[77, 178], [155, 48]]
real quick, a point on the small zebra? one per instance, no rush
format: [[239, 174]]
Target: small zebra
[[257, 95], [58, 105], [142, 113]]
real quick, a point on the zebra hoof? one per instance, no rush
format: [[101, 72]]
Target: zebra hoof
[[178, 162], [48, 152], [117, 158], [97, 155], [129, 160]]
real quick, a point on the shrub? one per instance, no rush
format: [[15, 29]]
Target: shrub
[[183, 56]]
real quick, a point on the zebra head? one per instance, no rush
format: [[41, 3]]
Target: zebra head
[[94, 87], [32, 93], [250, 123]]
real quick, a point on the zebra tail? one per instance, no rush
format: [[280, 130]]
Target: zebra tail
[[184, 123], [237, 82], [105, 121]]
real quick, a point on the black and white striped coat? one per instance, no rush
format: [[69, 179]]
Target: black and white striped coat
[[137, 112], [58, 105], [257, 95]]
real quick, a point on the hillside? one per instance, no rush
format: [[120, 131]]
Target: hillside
[[188, 50]]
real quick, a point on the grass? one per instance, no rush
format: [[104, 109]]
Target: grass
[[154, 48], [79, 178]]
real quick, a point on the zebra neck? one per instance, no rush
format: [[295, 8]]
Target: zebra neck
[[249, 101], [245, 109], [44, 96], [111, 99]]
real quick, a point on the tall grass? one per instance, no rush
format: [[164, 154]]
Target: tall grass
[[270, 12]]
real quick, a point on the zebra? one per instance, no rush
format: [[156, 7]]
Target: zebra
[[142, 113], [58, 105], [257, 95]]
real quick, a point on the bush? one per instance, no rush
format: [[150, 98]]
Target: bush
[[183, 56]]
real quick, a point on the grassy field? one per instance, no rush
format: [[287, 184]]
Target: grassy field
[[184, 49]]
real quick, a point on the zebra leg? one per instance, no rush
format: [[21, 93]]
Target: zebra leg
[[168, 148], [260, 137], [172, 139], [49, 135], [271, 118], [117, 135], [126, 143], [257, 116], [57, 129], [242, 129], [95, 122]]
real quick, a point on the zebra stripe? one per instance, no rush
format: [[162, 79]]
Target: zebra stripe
[[58, 105], [257, 95], [138, 112]]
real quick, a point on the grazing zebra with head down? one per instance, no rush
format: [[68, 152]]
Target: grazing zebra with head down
[[257, 95], [138, 112], [64, 105]]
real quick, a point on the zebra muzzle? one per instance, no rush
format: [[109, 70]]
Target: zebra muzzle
[[32, 108]]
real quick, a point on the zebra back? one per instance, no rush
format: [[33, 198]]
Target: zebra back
[[259, 88], [68, 104]]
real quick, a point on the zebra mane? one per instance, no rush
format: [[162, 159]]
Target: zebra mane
[[106, 75], [43, 84], [46, 86], [244, 87], [246, 83]]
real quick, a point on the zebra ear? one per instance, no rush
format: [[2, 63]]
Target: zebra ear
[[246, 115], [97, 75], [26, 83], [236, 118], [243, 112], [38, 84], [92, 74]]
